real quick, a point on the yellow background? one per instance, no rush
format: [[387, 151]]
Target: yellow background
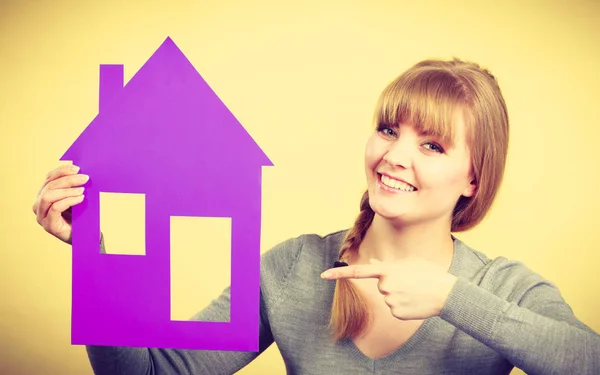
[[303, 78]]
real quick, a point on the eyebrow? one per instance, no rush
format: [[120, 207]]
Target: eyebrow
[[427, 133]]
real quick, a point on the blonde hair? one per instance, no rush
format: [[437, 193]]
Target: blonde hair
[[427, 96]]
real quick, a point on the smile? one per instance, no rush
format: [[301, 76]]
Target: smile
[[391, 183]]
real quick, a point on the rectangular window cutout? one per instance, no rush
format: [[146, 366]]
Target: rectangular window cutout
[[200, 263], [123, 223]]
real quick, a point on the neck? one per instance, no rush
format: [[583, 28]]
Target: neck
[[387, 242]]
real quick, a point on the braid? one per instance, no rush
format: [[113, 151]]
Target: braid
[[350, 313]]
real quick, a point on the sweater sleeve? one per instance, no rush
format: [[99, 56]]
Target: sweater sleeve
[[530, 325], [107, 360]]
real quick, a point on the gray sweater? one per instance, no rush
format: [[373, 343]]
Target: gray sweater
[[499, 315]]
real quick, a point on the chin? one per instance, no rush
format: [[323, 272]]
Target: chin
[[389, 213]]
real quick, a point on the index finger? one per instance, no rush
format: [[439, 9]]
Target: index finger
[[63, 170], [359, 271]]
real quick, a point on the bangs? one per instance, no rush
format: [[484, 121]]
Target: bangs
[[427, 99]]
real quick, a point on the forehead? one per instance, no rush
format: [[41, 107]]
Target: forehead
[[433, 101]]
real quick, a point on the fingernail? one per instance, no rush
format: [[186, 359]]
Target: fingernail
[[85, 177], [75, 168], [326, 274]]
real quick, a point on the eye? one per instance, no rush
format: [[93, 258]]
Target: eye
[[386, 130], [434, 147]]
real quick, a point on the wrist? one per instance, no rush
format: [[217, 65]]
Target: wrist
[[446, 285]]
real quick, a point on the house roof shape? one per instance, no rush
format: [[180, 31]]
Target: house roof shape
[[166, 119]]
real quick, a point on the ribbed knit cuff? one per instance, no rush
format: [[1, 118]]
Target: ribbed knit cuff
[[473, 310], [102, 245]]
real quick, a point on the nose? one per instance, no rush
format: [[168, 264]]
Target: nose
[[399, 153]]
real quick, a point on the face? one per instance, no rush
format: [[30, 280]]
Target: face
[[415, 178]]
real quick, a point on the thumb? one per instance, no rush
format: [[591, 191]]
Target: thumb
[[374, 261]]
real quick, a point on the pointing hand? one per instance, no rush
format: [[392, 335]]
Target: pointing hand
[[413, 288]]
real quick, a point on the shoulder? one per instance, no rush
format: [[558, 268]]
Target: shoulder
[[306, 247], [512, 281], [303, 256], [508, 278]]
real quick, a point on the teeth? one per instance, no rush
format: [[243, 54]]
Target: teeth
[[395, 184]]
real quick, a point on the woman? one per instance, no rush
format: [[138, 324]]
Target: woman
[[405, 296]]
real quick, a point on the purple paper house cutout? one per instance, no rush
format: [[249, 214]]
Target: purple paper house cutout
[[167, 135]]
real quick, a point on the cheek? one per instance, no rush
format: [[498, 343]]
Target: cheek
[[444, 175], [372, 154]]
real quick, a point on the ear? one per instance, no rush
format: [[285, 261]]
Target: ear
[[470, 189]]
